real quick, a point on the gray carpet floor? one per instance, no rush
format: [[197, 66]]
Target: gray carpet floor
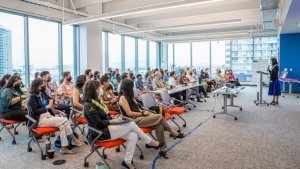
[[262, 137]]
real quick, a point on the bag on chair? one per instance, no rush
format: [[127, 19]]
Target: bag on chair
[[158, 110], [57, 142]]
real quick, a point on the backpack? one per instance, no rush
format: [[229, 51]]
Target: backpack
[[158, 110]]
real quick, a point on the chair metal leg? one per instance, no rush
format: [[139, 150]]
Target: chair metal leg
[[103, 159], [183, 120], [152, 136], [2, 127], [14, 139], [176, 125], [15, 129], [142, 155]]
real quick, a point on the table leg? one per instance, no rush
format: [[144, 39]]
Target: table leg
[[290, 87], [283, 87]]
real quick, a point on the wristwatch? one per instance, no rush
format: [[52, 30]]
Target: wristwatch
[[20, 97]]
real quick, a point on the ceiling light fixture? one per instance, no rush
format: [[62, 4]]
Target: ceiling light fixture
[[200, 35], [157, 7], [179, 26]]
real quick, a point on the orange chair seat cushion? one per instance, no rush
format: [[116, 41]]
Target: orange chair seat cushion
[[114, 112], [146, 129], [11, 121], [45, 130], [110, 143], [56, 112], [81, 120], [175, 110], [167, 116]]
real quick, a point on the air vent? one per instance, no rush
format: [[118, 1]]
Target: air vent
[[269, 4], [269, 15], [268, 26]]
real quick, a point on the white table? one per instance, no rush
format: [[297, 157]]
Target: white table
[[290, 86], [180, 88], [225, 91]]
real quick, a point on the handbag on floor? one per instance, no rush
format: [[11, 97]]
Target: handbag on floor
[[158, 110]]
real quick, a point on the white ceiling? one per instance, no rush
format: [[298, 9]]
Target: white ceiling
[[249, 11], [292, 19]]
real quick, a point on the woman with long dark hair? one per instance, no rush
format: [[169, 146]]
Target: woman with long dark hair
[[97, 116], [130, 108], [4, 80], [40, 108], [274, 87], [11, 97], [78, 92]]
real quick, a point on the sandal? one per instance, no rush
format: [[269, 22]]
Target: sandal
[[180, 135], [164, 154], [80, 145], [67, 152]]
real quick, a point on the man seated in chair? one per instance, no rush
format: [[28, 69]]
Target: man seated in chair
[[108, 96], [219, 78], [158, 83], [193, 80]]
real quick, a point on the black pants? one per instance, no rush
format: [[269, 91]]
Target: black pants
[[201, 89], [64, 107], [177, 97], [17, 114]]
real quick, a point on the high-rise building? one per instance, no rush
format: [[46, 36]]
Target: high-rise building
[[5, 51]]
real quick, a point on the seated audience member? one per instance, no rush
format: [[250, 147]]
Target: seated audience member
[[162, 74], [40, 108], [52, 92], [193, 80], [78, 93], [147, 72], [184, 80], [97, 76], [132, 77], [18, 74], [210, 80], [188, 69], [139, 83], [11, 97], [207, 80], [218, 77], [226, 74], [137, 95], [108, 96], [110, 71], [4, 80], [89, 74], [145, 118], [67, 87], [115, 80], [37, 75], [166, 76], [150, 80], [173, 82], [157, 82], [97, 115], [230, 75], [195, 74]]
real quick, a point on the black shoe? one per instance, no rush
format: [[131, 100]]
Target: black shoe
[[52, 135], [125, 165], [199, 100], [206, 96], [156, 147]]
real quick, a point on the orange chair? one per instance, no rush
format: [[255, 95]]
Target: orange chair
[[105, 145], [4, 124], [41, 131], [114, 112]]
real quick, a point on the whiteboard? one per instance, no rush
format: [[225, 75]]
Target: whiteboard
[[260, 65]]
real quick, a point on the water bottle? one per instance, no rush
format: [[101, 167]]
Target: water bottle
[[48, 145]]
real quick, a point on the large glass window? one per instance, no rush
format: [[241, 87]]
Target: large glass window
[[43, 47], [182, 56], [242, 56], [142, 56], [217, 56], [170, 57], [152, 54], [265, 48], [68, 49], [114, 51], [12, 55], [201, 55], [129, 53]]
